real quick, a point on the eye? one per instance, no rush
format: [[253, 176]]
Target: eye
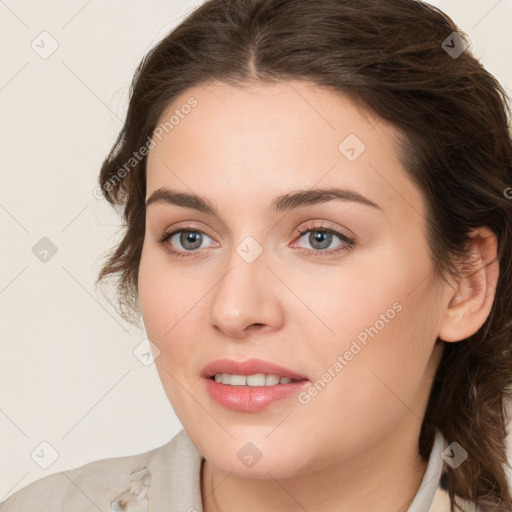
[[321, 237], [190, 239]]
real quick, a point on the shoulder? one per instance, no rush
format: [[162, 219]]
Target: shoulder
[[101, 485]]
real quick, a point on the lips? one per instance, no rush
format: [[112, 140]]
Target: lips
[[249, 367], [246, 398]]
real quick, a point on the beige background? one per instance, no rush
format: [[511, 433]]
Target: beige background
[[68, 373]]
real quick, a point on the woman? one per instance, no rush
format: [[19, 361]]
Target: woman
[[318, 206]]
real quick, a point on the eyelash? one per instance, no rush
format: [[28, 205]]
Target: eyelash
[[348, 243]]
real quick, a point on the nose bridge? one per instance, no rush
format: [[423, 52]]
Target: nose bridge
[[245, 294]]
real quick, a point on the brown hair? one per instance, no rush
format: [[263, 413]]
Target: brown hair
[[456, 146]]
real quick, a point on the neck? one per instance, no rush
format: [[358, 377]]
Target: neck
[[386, 477]]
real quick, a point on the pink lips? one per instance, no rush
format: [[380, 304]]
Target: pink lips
[[249, 398]]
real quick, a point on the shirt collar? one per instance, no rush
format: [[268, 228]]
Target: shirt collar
[[430, 483]]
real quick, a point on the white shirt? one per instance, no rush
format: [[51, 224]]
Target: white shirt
[[167, 479]]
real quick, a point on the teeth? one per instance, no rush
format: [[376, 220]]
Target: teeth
[[271, 380], [258, 379], [252, 380]]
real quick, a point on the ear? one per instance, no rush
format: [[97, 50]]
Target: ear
[[472, 298]]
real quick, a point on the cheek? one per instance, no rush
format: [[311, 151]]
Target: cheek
[[174, 305], [164, 301], [364, 299], [384, 319], [375, 386], [167, 306]]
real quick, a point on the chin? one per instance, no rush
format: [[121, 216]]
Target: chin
[[254, 459], [271, 467]]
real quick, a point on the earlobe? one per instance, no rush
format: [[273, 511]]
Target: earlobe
[[471, 300]]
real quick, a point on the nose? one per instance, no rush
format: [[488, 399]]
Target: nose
[[247, 299]]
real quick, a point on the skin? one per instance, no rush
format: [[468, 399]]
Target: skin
[[354, 446]]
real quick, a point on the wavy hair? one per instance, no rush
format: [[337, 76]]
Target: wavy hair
[[407, 62]]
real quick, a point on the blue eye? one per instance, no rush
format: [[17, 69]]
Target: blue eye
[[187, 238], [320, 238]]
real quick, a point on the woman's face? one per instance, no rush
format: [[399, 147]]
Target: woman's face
[[357, 320]]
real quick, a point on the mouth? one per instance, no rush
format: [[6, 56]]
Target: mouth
[[250, 386], [252, 372], [254, 380]]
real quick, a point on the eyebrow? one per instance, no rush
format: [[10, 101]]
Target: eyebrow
[[292, 200]]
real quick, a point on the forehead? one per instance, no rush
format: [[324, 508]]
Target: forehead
[[301, 113], [247, 141]]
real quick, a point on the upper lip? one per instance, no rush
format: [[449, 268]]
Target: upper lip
[[248, 367]]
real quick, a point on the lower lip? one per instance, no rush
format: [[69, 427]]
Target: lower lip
[[251, 398]]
